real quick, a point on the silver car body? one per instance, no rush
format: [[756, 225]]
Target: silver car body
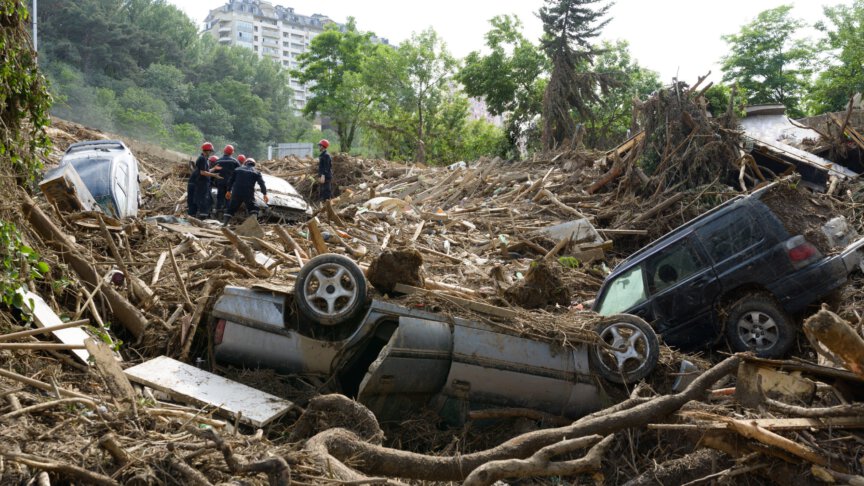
[[109, 174], [398, 359]]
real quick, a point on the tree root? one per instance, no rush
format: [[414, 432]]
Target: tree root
[[334, 410], [380, 461], [277, 469], [541, 465]]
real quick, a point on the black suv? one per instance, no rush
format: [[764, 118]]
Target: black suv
[[735, 270]]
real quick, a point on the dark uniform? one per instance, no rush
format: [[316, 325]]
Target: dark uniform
[[202, 187], [242, 186], [190, 191], [229, 165], [325, 168]]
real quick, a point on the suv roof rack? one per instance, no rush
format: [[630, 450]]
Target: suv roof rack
[[104, 145]]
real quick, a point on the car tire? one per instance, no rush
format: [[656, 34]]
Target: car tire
[[330, 289], [628, 349], [758, 324]]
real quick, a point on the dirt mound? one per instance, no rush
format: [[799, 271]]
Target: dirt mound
[[801, 213], [396, 266], [542, 287]]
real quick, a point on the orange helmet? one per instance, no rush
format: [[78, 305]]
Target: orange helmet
[[324, 143], [229, 149], [207, 146]]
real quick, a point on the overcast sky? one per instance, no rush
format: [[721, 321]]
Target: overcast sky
[[669, 36]]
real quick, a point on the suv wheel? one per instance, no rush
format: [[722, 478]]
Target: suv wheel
[[628, 349], [757, 323]]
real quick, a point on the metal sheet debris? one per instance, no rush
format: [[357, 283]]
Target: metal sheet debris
[[191, 385]]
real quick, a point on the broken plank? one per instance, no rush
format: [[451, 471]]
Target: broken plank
[[480, 307], [779, 424], [188, 384], [44, 316], [32, 332]]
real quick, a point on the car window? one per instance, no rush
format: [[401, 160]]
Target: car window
[[627, 290], [729, 235], [674, 264]]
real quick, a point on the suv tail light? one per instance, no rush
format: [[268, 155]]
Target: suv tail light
[[218, 332], [801, 252]]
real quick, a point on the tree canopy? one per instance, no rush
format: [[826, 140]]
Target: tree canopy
[[844, 44], [769, 62]]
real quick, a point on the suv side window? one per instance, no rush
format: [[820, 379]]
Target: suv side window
[[730, 234], [674, 264]]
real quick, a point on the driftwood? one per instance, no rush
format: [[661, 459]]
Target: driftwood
[[247, 252], [343, 444], [838, 336], [86, 477], [127, 314], [276, 468], [540, 463]]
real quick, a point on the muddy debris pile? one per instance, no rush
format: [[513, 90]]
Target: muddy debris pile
[[520, 246]]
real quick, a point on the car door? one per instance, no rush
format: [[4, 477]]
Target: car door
[[682, 288]]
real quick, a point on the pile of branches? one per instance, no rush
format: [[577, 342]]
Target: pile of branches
[[683, 147]]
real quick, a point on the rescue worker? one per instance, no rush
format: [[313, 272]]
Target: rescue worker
[[198, 196], [325, 172], [242, 190], [242, 159], [227, 164]]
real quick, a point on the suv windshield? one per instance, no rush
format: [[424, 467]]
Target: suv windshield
[[96, 174], [624, 292]]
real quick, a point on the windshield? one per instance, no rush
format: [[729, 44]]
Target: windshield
[[96, 175], [624, 292]]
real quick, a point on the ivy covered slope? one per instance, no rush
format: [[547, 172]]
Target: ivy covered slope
[[24, 104]]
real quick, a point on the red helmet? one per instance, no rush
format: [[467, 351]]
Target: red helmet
[[241, 158], [213, 158], [229, 149], [207, 146], [324, 143]]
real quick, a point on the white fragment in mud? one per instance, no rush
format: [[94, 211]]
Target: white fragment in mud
[[188, 384]]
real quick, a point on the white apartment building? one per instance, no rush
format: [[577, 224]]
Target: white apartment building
[[270, 30]]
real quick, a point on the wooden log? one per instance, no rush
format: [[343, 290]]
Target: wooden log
[[247, 252], [41, 385], [546, 194], [609, 176], [126, 314], [158, 269], [112, 247], [42, 346], [196, 316], [765, 436], [42, 330], [839, 337], [180, 282], [660, 207], [316, 237], [107, 366]]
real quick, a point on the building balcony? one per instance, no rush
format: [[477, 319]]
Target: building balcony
[[224, 40], [223, 29]]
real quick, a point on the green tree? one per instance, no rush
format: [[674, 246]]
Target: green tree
[[334, 63], [612, 115], [510, 79], [844, 45], [569, 26], [768, 62], [413, 83]]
